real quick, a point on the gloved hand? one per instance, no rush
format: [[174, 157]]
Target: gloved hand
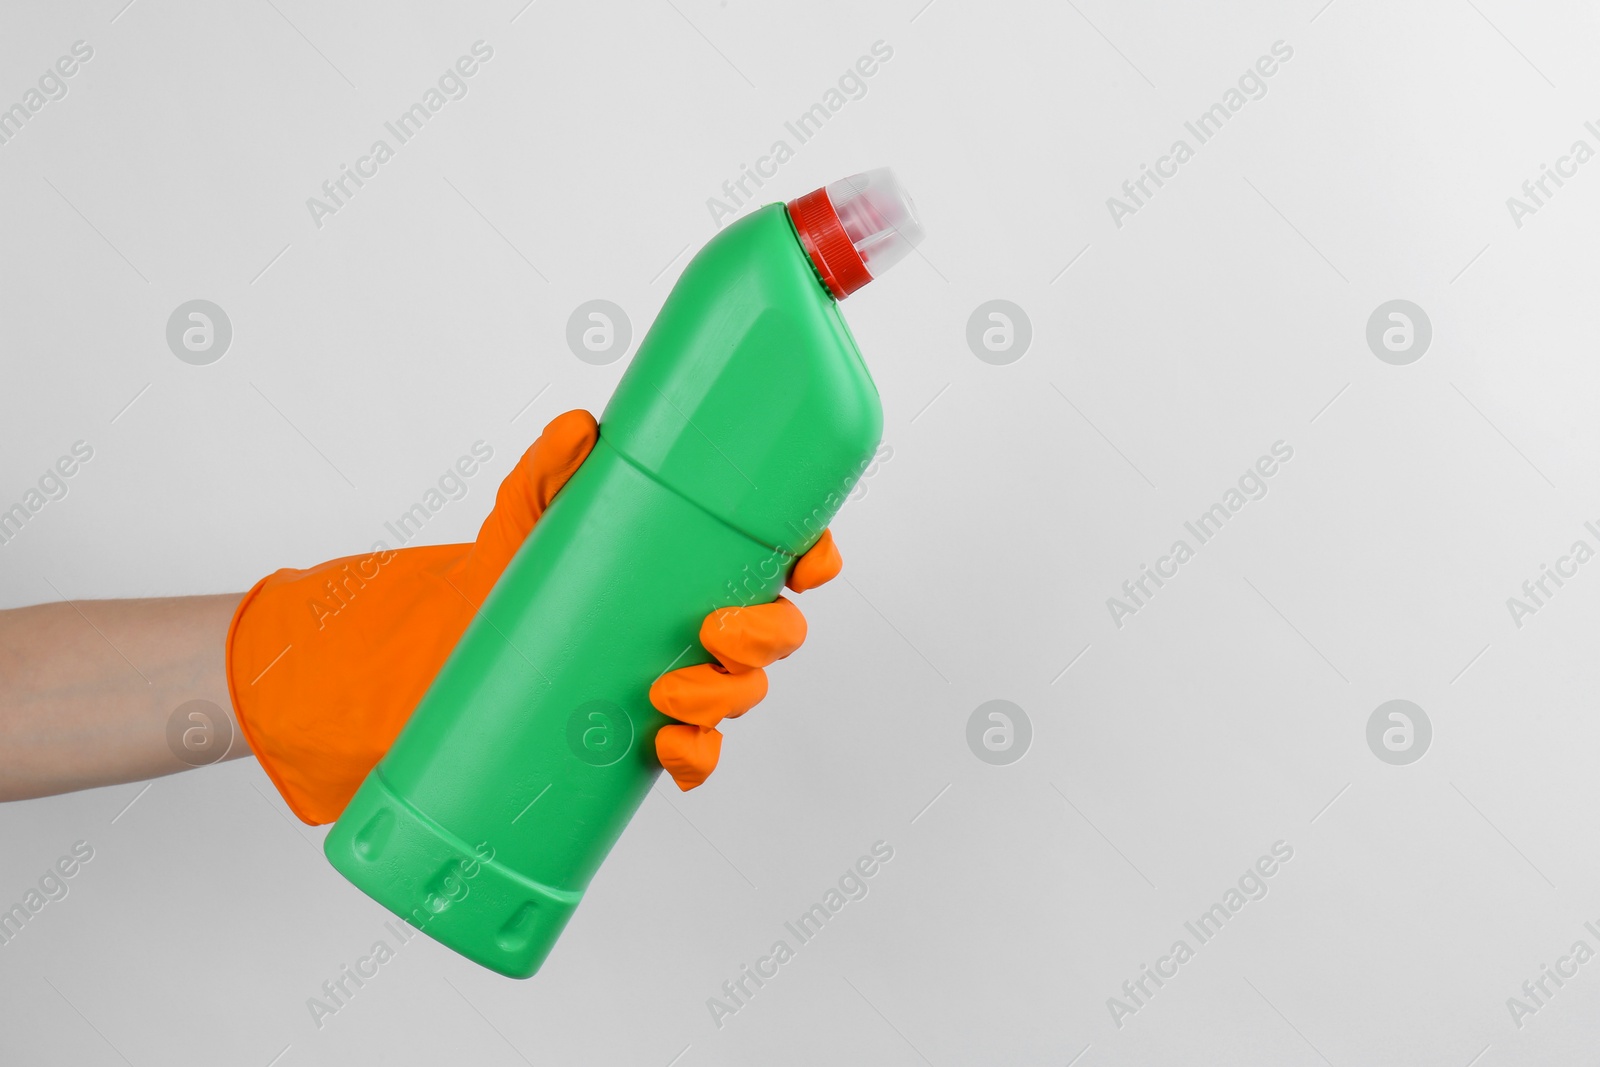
[[326, 665]]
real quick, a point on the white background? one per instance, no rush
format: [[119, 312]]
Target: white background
[[1228, 314]]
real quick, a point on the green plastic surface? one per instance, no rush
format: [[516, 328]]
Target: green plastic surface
[[730, 442]]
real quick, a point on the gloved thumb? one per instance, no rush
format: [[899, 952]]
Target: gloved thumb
[[525, 494]]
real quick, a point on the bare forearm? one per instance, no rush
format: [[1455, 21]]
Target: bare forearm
[[87, 689]]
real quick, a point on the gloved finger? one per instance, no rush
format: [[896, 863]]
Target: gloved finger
[[527, 491], [820, 564], [704, 695], [743, 639], [689, 753]]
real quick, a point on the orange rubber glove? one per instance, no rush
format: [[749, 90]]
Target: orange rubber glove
[[326, 665]]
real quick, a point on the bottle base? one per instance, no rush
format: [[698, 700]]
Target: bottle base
[[450, 889]]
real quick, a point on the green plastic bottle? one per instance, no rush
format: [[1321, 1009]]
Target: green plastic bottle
[[729, 444]]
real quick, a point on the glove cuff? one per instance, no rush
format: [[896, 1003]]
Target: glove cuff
[[325, 665]]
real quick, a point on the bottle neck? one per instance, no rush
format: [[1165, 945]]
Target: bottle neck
[[830, 249]]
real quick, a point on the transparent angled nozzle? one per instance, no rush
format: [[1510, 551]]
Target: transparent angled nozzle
[[856, 228], [878, 216]]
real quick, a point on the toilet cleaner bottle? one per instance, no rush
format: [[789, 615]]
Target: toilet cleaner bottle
[[733, 437]]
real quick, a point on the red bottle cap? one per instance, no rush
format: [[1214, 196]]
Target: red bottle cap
[[856, 228]]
